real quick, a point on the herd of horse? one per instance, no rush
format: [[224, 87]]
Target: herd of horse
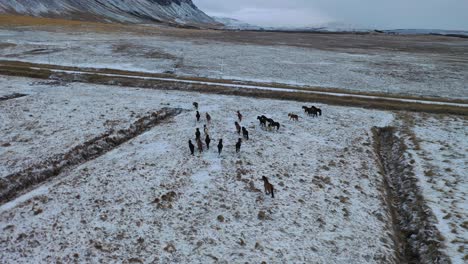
[[265, 123]]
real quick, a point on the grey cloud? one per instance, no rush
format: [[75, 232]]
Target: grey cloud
[[440, 14]]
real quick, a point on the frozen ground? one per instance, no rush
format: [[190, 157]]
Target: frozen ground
[[119, 208], [32, 131], [439, 149], [424, 68]]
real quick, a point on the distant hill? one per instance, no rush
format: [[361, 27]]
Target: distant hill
[[336, 27], [180, 12]]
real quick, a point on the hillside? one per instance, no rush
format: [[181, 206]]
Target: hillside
[[182, 12]]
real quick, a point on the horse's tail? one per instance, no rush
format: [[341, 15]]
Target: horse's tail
[[272, 192]]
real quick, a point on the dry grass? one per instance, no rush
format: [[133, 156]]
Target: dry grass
[[23, 69], [159, 54], [341, 42], [6, 45], [15, 20], [143, 51], [92, 25]]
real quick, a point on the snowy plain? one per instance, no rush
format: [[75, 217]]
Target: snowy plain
[[383, 70], [327, 208]]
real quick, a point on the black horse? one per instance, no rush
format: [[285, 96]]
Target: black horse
[[198, 116], [191, 146], [245, 133], [317, 110], [312, 111], [274, 124], [220, 146], [238, 145], [207, 141], [262, 119]]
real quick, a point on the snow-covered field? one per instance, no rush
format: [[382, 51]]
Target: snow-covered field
[[425, 73], [50, 120], [150, 201], [439, 148]]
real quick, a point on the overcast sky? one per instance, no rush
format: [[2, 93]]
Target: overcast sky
[[383, 14]]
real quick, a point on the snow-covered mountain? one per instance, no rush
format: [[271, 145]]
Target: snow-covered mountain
[[128, 11], [235, 24]]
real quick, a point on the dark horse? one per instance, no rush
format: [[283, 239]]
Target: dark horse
[[274, 124], [268, 187], [195, 104], [317, 110], [262, 119], [313, 111], [239, 116], [245, 133], [191, 146], [207, 141], [238, 145], [220, 146], [199, 145], [238, 127]]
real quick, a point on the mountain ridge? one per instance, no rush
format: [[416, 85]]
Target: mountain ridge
[[180, 12]]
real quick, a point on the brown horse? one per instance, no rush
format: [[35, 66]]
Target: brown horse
[[268, 187], [199, 145], [293, 117], [238, 127], [239, 115]]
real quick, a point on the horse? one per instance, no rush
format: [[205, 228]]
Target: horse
[[205, 129], [245, 133], [268, 187], [238, 145], [238, 127], [311, 111], [262, 120], [269, 120], [274, 124], [197, 133], [198, 116], [220, 146], [239, 115], [200, 145], [195, 104], [208, 118], [191, 146], [207, 141], [317, 110], [293, 117]]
